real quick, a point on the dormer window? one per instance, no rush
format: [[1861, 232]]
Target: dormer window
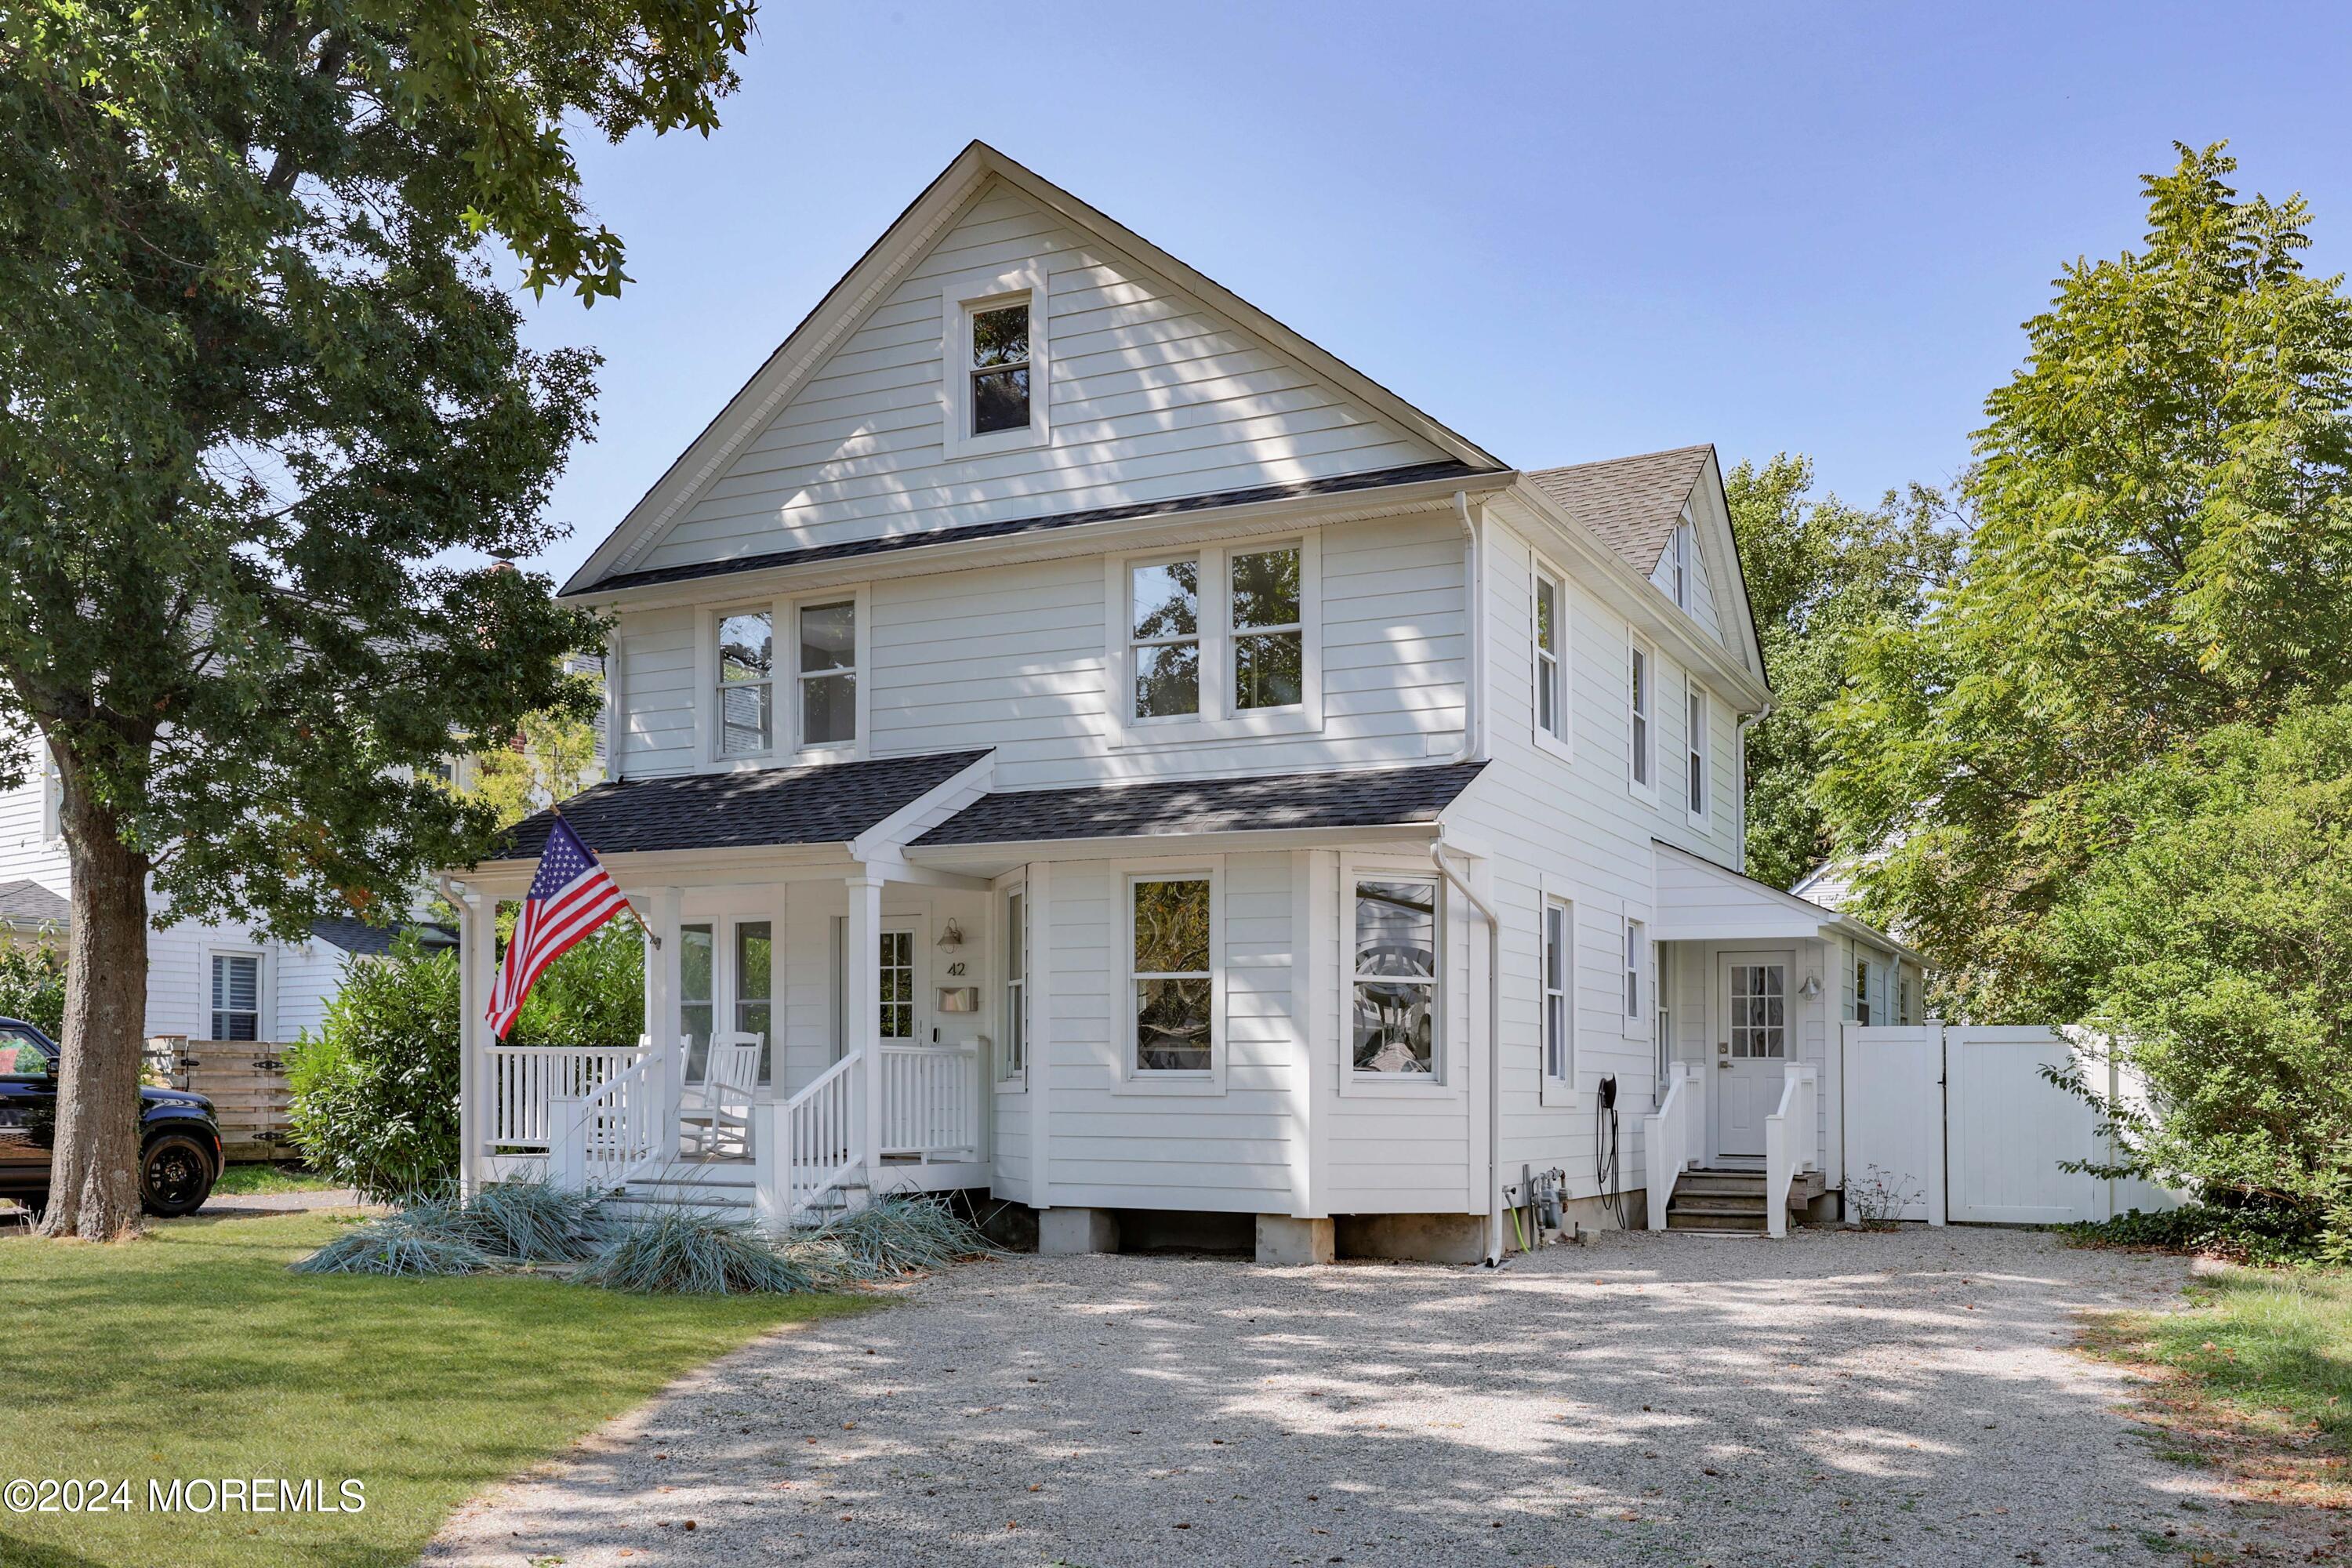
[[1000, 368]]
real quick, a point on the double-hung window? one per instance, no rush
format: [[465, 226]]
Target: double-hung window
[[1862, 992], [1013, 1062], [747, 683], [1636, 944], [1549, 635], [1395, 975], [1559, 923], [1170, 985], [1164, 638], [828, 674], [237, 996], [1679, 551], [999, 344], [1694, 749], [1269, 634], [1639, 704]]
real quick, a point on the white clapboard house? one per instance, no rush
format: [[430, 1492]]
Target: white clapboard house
[[1077, 740]]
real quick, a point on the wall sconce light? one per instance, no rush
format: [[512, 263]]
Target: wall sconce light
[[1812, 988], [952, 938]]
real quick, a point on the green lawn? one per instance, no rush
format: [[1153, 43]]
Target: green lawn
[[2254, 1376], [194, 1354], [240, 1179]]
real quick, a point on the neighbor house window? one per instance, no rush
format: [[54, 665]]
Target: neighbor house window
[[1269, 637], [1639, 702], [696, 973], [1694, 748], [237, 996], [1015, 1060], [1164, 638], [1000, 368], [1395, 975], [1169, 978], [1636, 944], [1862, 992], [1680, 551], [746, 688], [1550, 632], [1557, 921], [828, 674]]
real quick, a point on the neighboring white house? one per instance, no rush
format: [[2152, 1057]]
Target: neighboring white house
[[207, 981], [1087, 744]]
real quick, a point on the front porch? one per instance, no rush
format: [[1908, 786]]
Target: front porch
[[814, 1039]]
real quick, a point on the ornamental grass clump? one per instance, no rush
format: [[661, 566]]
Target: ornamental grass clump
[[532, 1220], [894, 1237], [394, 1246], [675, 1251]]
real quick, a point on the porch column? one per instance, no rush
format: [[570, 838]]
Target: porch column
[[478, 957], [661, 1018], [861, 1011]]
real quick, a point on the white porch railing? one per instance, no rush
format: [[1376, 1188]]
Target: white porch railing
[[807, 1145], [523, 1079], [603, 1138], [930, 1101], [1673, 1136], [1791, 1143]]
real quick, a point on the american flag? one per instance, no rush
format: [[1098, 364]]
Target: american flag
[[569, 898]]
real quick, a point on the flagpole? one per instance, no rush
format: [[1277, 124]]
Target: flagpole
[[626, 902]]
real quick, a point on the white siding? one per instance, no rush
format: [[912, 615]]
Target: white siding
[[1153, 396], [1699, 590]]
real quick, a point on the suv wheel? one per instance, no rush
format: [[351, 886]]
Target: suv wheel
[[175, 1175]]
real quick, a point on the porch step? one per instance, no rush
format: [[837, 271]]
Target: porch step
[[1731, 1201], [1716, 1223]]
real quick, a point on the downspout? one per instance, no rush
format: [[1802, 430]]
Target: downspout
[[1474, 629], [1494, 1053]]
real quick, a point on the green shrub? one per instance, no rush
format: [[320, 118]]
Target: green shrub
[[673, 1251], [375, 1093], [592, 995], [2266, 1235], [32, 984]]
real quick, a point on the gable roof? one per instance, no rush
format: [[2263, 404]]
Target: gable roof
[[374, 942], [821, 803], [1634, 504], [1366, 797], [28, 905], [870, 280]]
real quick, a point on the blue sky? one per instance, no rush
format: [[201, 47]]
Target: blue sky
[[1568, 231]]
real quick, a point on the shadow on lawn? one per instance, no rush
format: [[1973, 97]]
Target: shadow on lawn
[[1799, 1404]]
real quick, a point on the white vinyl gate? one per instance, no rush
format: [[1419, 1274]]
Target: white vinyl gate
[[1962, 1122]]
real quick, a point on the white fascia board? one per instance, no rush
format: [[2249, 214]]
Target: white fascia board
[[1636, 598], [887, 838], [1005, 854]]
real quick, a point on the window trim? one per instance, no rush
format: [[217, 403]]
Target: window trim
[[264, 1022], [785, 748], [1128, 1078], [1560, 742], [1449, 1081], [1218, 719], [1641, 691], [1557, 1088], [961, 298], [1011, 899], [1637, 989], [1698, 738]]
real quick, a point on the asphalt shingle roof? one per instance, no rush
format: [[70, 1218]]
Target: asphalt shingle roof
[[374, 942], [1378, 479], [28, 903], [1364, 798], [1632, 503], [824, 803]]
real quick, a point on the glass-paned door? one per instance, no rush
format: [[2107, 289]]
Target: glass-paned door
[[1752, 1050], [895, 976]]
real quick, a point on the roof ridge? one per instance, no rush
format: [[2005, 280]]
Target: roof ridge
[[1629, 457]]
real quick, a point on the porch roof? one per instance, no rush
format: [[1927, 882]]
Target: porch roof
[[1366, 797], [824, 803], [1698, 900]]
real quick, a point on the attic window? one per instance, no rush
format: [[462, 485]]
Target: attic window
[[1680, 547], [1000, 368]]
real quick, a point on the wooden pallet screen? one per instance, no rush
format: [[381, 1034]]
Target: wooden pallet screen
[[245, 1081]]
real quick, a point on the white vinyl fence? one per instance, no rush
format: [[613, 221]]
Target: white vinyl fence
[[1963, 1122]]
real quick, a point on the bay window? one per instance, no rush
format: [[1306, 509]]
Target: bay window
[[1013, 1062], [1170, 985], [1394, 977]]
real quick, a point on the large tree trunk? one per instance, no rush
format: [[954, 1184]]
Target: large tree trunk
[[94, 1179]]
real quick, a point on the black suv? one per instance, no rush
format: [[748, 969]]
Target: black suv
[[180, 1146]]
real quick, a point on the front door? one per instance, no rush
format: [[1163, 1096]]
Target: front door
[[903, 1015], [1751, 1048]]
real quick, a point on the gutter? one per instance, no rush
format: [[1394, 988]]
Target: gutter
[[1494, 1054]]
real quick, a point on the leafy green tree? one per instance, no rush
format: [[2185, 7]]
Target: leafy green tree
[[2163, 497], [265, 401], [1821, 576], [2212, 944], [32, 983]]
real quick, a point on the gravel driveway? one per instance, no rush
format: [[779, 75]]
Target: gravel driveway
[[1837, 1397]]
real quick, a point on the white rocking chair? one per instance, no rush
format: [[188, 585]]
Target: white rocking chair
[[714, 1115]]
